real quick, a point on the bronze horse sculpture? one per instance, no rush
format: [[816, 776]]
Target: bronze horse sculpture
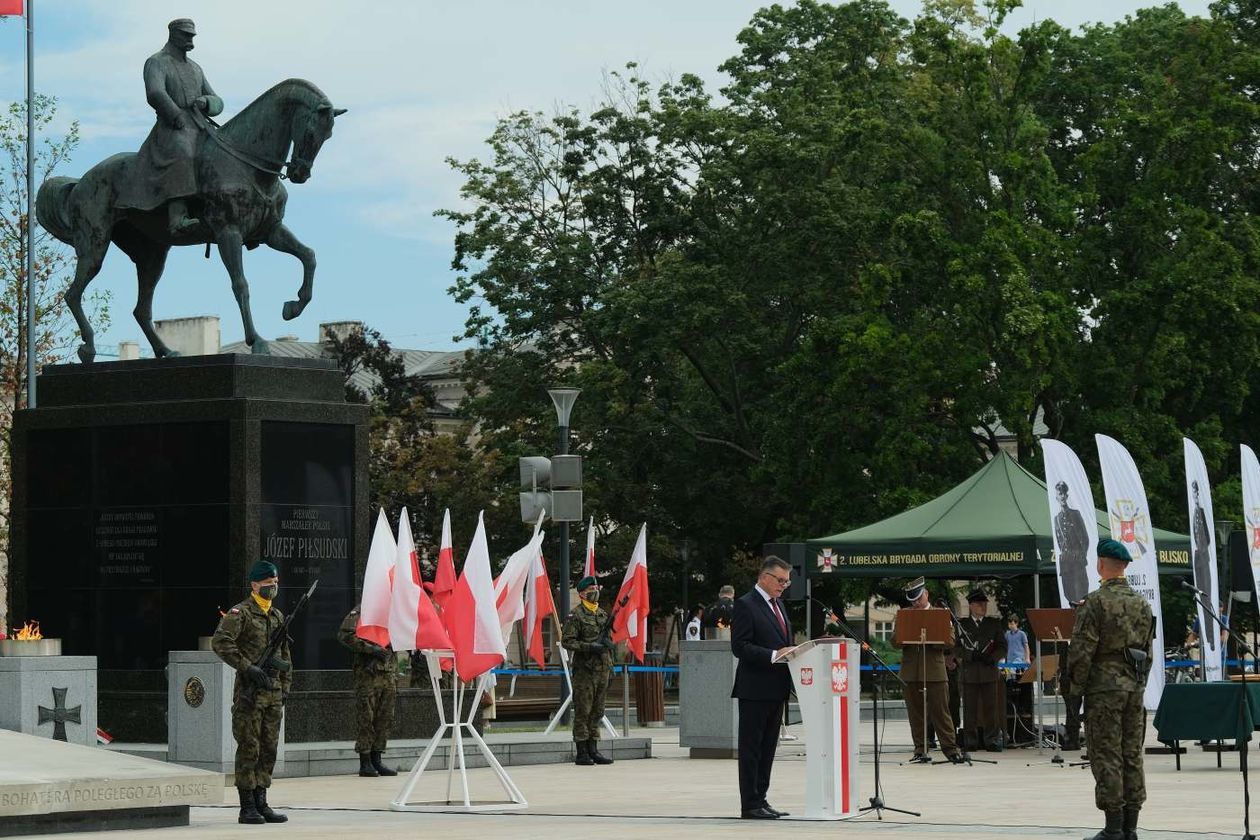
[[240, 203]]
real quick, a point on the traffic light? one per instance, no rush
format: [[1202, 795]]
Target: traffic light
[[553, 485]]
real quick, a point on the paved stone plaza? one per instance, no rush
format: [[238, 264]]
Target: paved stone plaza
[[673, 796]]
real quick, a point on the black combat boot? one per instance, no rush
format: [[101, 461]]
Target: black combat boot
[[381, 769], [365, 766], [583, 754], [1130, 822], [1114, 829], [249, 809], [592, 749], [260, 802]]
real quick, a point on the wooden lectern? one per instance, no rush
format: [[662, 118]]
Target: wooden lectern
[[1052, 626], [923, 627]]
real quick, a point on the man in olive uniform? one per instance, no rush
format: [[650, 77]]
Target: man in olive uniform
[[984, 694], [924, 666], [585, 637], [1072, 540], [1110, 657], [165, 170], [260, 689], [375, 689]]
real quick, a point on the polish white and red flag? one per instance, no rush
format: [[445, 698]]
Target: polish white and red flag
[[509, 587], [630, 620], [589, 569], [470, 615], [444, 580], [539, 604], [378, 584], [413, 622]]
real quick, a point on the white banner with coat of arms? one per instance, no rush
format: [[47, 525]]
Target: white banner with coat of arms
[[1130, 519], [1251, 510], [1073, 523], [1203, 554]]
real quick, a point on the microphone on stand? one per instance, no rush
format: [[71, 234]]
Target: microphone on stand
[[1185, 584]]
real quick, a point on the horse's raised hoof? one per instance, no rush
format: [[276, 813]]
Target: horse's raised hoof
[[87, 353], [292, 309], [260, 347]]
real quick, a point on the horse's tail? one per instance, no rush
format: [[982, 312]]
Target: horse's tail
[[52, 207]]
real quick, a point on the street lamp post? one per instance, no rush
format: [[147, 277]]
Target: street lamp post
[[563, 399]]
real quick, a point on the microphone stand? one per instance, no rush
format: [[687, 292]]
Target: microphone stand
[[877, 803], [1242, 743], [969, 644]]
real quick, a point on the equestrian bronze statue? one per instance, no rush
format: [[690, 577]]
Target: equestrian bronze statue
[[192, 183]]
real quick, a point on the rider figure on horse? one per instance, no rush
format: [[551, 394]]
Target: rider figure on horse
[[166, 168]]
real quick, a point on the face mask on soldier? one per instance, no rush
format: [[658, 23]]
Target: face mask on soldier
[[268, 592]]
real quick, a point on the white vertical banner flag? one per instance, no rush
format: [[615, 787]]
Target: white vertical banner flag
[[1203, 555], [1130, 518], [1073, 522], [1251, 511]]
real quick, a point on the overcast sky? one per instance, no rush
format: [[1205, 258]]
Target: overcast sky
[[423, 81]]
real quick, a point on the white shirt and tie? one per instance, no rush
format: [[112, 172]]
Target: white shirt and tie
[[776, 611]]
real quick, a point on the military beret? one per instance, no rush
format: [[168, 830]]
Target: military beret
[[263, 569], [1115, 550], [587, 582], [915, 588], [977, 595], [183, 25]]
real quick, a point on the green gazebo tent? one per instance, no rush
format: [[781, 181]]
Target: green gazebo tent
[[996, 523]]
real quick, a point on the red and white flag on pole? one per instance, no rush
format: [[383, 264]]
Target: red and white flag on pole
[[538, 605], [589, 569], [470, 615], [11, 8], [444, 580], [509, 587], [630, 623], [378, 584], [413, 622]]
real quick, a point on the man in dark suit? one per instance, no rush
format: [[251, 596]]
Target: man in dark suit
[[761, 631]]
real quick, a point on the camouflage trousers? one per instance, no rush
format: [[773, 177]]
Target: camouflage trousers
[[374, 695], [1116, 724], [256, 728], [589, 689]]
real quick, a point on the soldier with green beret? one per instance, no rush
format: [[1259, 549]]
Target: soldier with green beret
[[585, 636], [375, 691], [259, 692], [1109, 661]]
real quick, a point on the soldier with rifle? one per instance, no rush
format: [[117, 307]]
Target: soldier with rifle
[[253, 639], [587, 636]]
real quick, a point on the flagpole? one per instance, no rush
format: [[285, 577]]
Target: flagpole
[[30, 203]]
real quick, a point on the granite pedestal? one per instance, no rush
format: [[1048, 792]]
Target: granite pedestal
[[49, 697], [199, 713], [49, 787], [143, 491], [707, 716]]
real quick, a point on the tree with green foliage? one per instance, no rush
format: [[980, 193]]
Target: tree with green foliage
[[809, 304]]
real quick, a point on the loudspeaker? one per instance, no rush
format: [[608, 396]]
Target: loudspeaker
[[794, 554], [1241, 583]]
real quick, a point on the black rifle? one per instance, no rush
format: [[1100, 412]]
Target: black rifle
[[268, 660]]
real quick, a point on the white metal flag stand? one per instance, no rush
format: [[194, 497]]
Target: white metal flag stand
[[568, 699], [459, 728]]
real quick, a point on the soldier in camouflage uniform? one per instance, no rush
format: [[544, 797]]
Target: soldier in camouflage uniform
[[1113, 622], [259, 692], [585, 636], [375, 689]]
